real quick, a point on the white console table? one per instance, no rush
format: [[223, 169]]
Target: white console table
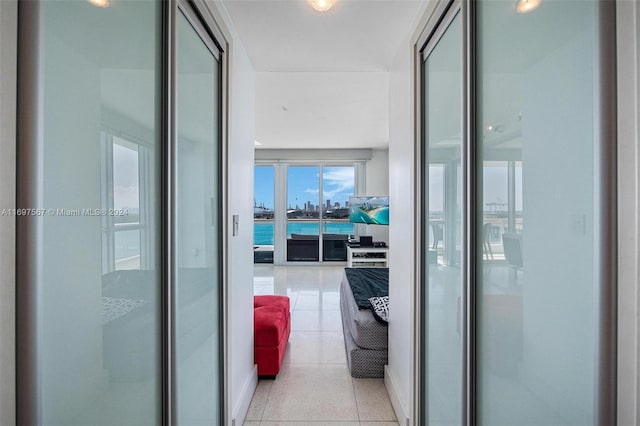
[[369, 257]]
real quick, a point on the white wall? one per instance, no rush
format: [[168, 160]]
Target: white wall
[[377, 183], [8, 40], [240, 284], [399, 374], [629, 197], [241, 376]]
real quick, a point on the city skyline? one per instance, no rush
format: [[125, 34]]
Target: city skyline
[[303, 187]]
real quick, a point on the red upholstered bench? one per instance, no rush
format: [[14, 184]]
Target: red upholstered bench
[[272, 324]]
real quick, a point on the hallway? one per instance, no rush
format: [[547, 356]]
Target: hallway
[[314, 386]]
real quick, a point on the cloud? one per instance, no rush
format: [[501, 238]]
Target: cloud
[[338, 181]]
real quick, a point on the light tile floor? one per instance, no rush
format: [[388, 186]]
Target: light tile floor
[[314, 386]]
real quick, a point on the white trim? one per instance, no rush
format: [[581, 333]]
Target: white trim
[[242, 407], [280, 215], [394, 396]]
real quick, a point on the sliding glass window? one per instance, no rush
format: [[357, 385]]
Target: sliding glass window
[[338, 184], [264, 214], [303, 213], [317, 212]]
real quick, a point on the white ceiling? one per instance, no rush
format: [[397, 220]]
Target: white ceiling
[[322, 110], [354, 35], [330, 70]]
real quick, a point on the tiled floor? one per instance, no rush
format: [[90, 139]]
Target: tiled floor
[[314, 386]]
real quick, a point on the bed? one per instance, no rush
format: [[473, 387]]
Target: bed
[[366, 340]]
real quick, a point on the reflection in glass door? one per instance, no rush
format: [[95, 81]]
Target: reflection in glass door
[[442, 227]]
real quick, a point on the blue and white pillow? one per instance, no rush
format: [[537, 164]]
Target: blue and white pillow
[[380, 308]]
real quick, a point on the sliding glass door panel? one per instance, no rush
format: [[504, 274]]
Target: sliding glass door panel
[[264, 206], [442, 147], [537, 307], [303, 213], [318, 212], [338, 184], [98, 345], [197, 219]]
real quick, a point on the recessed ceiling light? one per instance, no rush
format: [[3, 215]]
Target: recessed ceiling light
[[99, 3], [285, 108], [526, 6], [322, 5]]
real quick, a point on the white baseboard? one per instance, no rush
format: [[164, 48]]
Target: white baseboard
[[242, 407], [394, 396]]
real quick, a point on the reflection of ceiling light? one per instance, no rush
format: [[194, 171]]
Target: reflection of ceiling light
[[256, 143], [99, 3], [526, 6], [498, 128], [321, 5]]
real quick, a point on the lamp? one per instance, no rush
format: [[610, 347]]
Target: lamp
[[322, 5], [526, 6]]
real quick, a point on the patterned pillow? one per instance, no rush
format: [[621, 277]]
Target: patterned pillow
[[380, 308]]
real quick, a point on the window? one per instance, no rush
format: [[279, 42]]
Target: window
[[263, 205], [302, 211], [125, 230]]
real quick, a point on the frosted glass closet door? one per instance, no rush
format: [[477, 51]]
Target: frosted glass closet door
[[442, 228], [537, 254], [198, 234], [95, 257]]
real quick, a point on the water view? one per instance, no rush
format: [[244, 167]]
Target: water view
[[263, 232]]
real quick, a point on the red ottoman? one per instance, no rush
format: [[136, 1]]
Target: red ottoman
[[272, 324]]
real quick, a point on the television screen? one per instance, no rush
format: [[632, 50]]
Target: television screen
[[369, 210]]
